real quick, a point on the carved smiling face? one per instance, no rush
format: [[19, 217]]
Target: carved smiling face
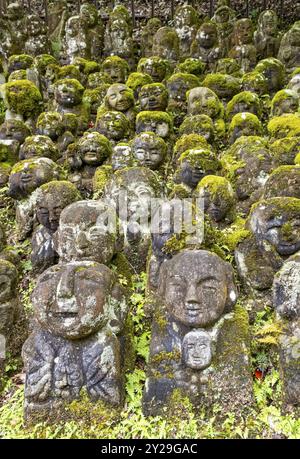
[[196, 287], [153, 97], [74, 300], [203, 101], [119, 97], [149, 150]]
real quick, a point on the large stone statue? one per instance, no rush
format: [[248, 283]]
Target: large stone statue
[[186, 22], [194, 348], [244, 50], [80, 309]]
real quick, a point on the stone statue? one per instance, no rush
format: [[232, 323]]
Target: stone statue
[[196, 294], [244, 50], [153, 97], [206, 45], [166, 44], [52, 198], [37, 40], [289, 48], [147, 35], [113, 125], [178, 85], [267, 37], [186, 22], [149, 150], [80, 310]]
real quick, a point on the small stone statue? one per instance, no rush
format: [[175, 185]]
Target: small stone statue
[[178, 85], [37, 40], [113, 125], [285, 101], [157, 67], [149, 150], [52, 198], [153, 97], [244, 50], [166, 45], [267, 37], [186, 22], [116, 68], [39, 146], [147, 35], [289, 53], [206, 45]]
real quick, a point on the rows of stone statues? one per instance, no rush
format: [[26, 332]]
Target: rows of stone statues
[[205, 109]]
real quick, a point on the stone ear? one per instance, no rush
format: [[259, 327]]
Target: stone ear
[[232, 291]]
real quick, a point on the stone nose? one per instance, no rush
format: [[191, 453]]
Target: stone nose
[[192, 294], [65, 288], [81, 240]]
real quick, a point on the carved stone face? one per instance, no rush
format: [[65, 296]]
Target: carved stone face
[[218, 196], [244, 124], [243, 31], [222, 15], [52, 199], [196, 286], [153, 97], [29, 174], [121, 157], [113, 125], [68, 93], [152, 123], [196, 350], [277, 221], [166, 44], [88, 15], [93, 149], [14, 130], [119, 97], [74, 300], [207, 36], [286, 289], [184, 17], [131, 190], [115, 70], [149, 150], [268, 23], [50, 124], [85, 233], [156, 68], [8, 281], [203, 101], [38, 146]]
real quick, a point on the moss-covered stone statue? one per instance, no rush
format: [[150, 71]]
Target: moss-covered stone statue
[[68, 99], [113, 125], [178, 85], [245, 101], [80, 311], [52, 198], [244, 124], [206, 45], [116, 68], [37, 36], [203, 101], [225, 86], [39, 146], [23, 101], [55, 126], [186, 22], [25, 177], [158, 122], [131, 191], [149, 150], [199, 342], [283, 181], [136, 81], [153, 97], [224, 19], [147, 34], [83, 157], [274, 236], [120, 98], [199, 124], [243, 49], [219, 199], [247, 164], [289, 53], [285, 101], [267, 37], [287, 125], [166, 44], [157, 67], [274, 72]]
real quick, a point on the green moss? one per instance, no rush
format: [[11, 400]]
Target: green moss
[[217, 187], [18, 75], [280, 205], [188, 79], [68, 71], [157, 117], [85, 66], [285, 150], [255, 81], [192, 66], [265, 65], [136, 80], [23, 97], [297, 159], [284, 126], [245, 97], [70, 81], [189, 142], [235, 234], [23, 61], [66, 191], [196, 123], [115, 61], [100, 179], [42, 61], [202, 158], [296, 72], [223, 85]]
